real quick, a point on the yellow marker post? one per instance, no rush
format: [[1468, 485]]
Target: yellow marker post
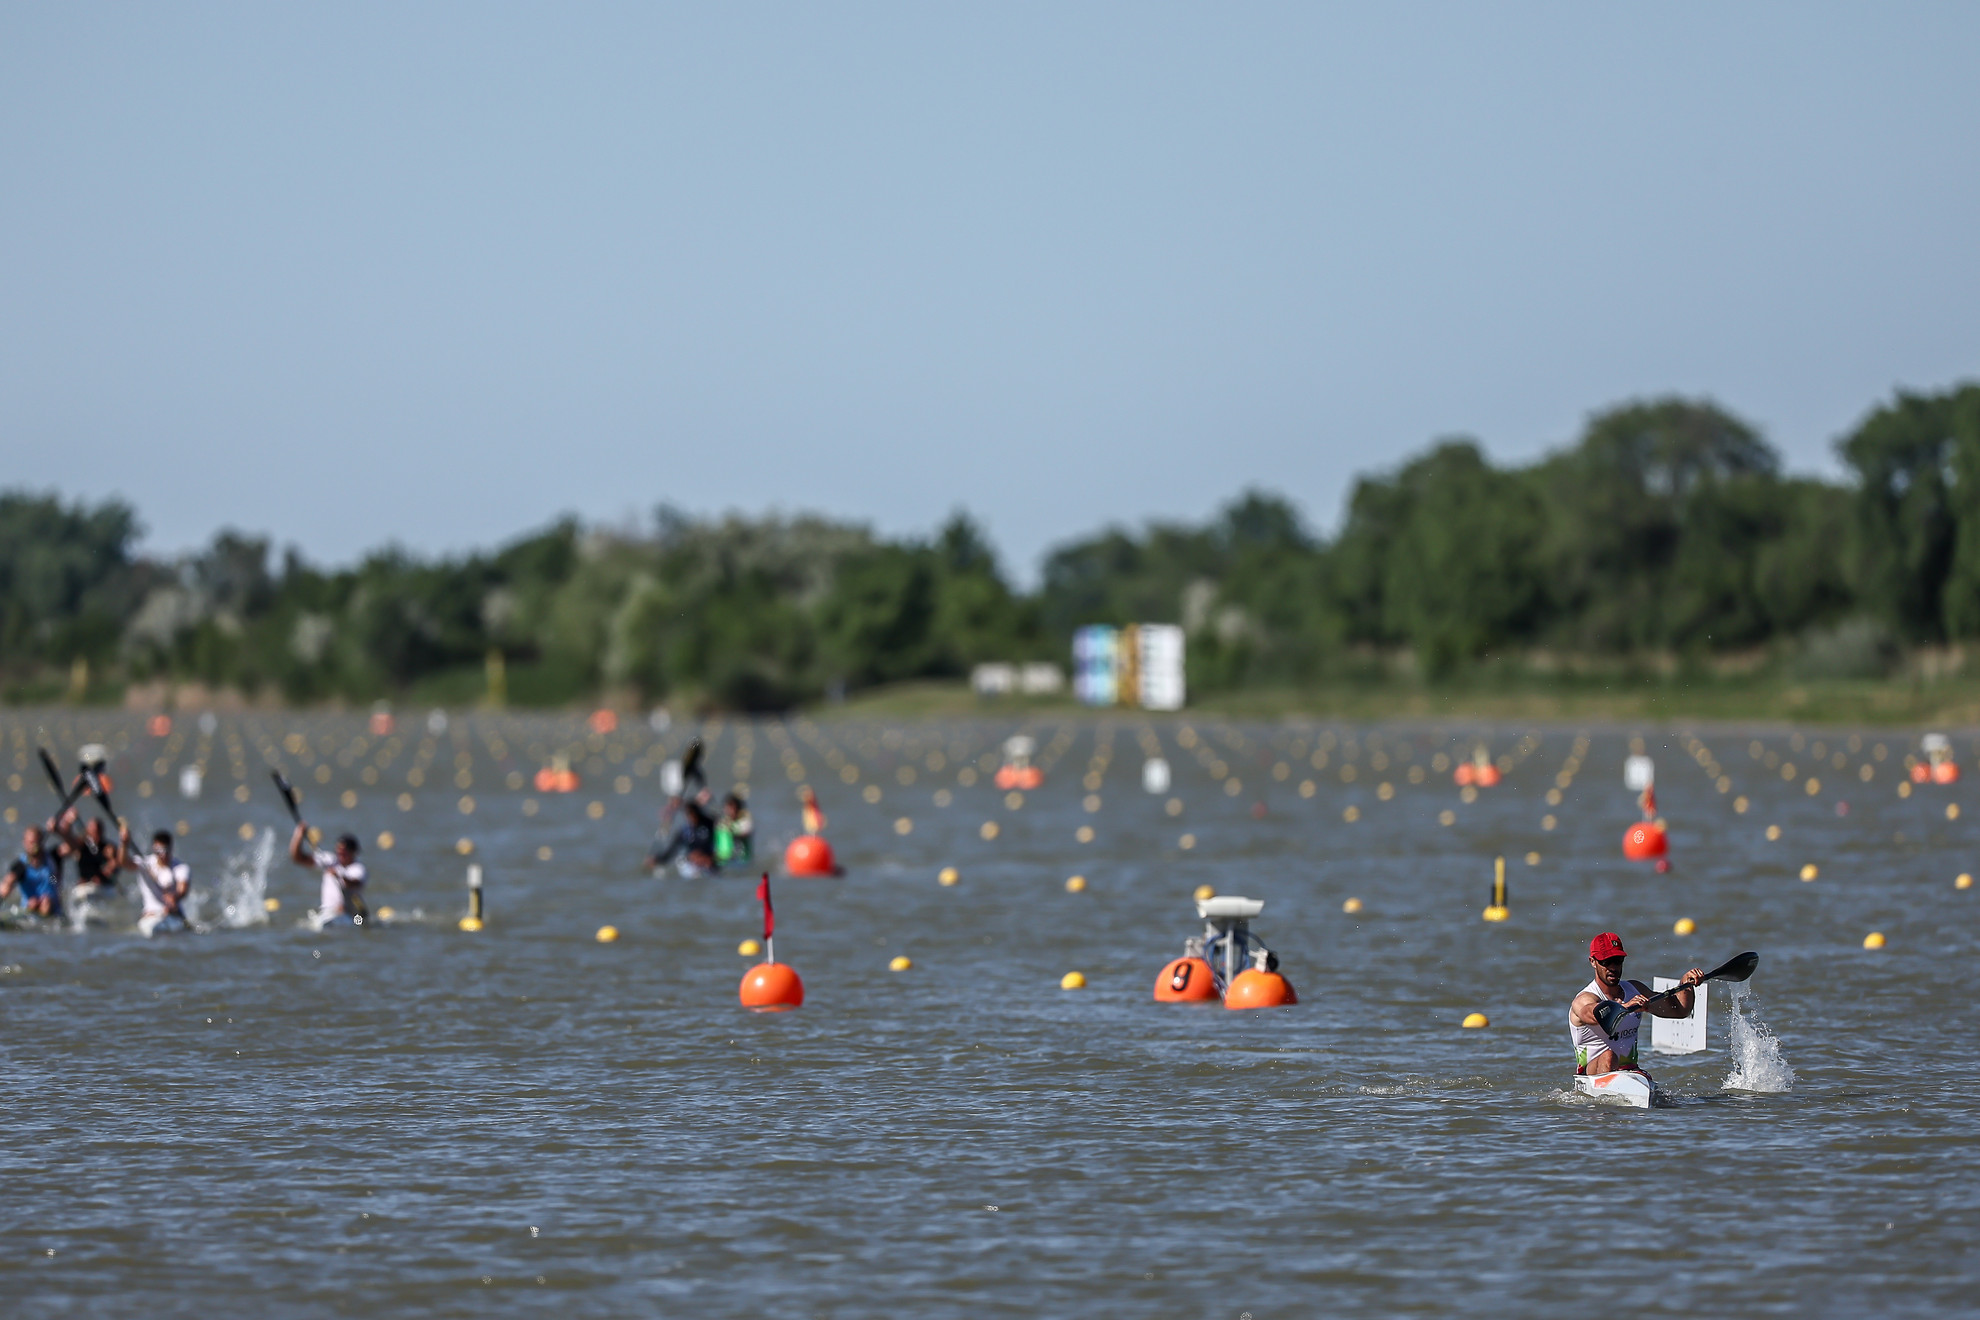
[[1499, 909]]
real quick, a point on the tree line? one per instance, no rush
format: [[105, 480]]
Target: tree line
[[1667, 528]]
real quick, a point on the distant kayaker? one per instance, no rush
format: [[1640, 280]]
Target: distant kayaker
[[36, 873], [735, 831], [342, 897], [97, 856], [693, 844], [1594, 1052], [163, 881]]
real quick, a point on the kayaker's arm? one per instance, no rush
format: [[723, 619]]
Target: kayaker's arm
[[1677, 1003], [298, 853]]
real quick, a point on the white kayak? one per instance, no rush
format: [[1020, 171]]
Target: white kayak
[[1635, 1089]]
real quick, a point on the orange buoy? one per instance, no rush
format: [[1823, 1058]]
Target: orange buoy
[[1187, 980], [771, 988], [1486, 775], [159, 726], [603, 721], [810, 854], [1645, 841], [1945, 772], [1920, 772], [1464, 773], [1252, 988]]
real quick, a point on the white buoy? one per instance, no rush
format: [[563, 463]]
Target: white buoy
[[190, 781], [670, 778], [1155, 775], [436, 722], [1639, 773]]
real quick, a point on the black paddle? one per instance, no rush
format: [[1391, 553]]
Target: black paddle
[[353, 902], [1736, 968]]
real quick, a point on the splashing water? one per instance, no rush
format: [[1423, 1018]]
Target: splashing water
[[1756, 1050], [235, 898]]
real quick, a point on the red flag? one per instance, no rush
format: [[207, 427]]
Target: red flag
[[763, 894]]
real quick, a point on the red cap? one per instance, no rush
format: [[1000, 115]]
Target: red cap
[[1605, 946]]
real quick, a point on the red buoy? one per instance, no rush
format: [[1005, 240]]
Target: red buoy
[[810, 855], [1186, 981], [1255, 989], [771, 988], [1645, 842]]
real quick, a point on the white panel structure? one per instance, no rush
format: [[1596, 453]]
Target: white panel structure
[[1161, 666], [1678, 1035]]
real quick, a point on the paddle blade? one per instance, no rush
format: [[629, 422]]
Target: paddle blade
[[100, 793], [288, 794], [1735, 969], [54, 775], [1607, 1014]]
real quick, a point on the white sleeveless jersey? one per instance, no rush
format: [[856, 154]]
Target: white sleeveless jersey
[[1589, 1040]]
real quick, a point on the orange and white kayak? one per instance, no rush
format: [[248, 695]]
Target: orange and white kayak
[[1635, 1089]]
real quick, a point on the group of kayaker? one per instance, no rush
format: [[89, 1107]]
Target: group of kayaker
[[693, 838], [164, 879]]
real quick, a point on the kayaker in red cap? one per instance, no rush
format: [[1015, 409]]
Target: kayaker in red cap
[[1594, 1052]]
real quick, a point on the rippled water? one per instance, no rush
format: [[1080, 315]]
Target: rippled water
[[261, 1119]]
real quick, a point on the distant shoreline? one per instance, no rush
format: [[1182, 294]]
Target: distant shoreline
[[1952, 702]]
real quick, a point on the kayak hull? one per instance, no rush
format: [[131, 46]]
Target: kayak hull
[[1634, 1089]]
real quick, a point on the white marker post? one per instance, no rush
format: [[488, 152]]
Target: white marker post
[[1155, 775], [1678, 1035]]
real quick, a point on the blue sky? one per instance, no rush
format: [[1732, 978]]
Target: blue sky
[[437, 273]]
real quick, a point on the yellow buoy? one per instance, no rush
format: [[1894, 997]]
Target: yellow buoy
[[1952, 811], [386, 913], [1073, 981], [989, 830], [1075, 884], [1773, 833], [1808, 872], [1964, 881], [470, 923], [385, 841], [1685, 926], [1533, 859], [1477, 1020], [1205, 891], [949, 876], [749, 948], [465, 847], [900, 964], [1874, 940], [1497, 913], [1352, 905], [607, 934], [271, 905]]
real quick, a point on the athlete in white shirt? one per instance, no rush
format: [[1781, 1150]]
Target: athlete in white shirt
[[1595, 1051], [342, 899], [163, 881]]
